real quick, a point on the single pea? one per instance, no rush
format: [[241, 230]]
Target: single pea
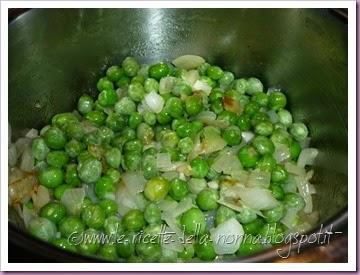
[[39, 149], [193, 221], [97, 118], [107, 98], [169, 139], [123, 82], [60, 189], [264, 128], [277, 191], [266, 163], [274, 214], [199, 168], [110, 207], [152, 214], [251, 108], [113, 157], [51, 177], [223, 214], [114, 174], [156, 188], [85, 104], [104, 84], [278, 174], [246, 215], [249, 246], [73, 148], [254, 227], [193, 105], [130, 66], [261, 99], [132, 161], [232, 135], [159, 70], [216, 94], [113, 226], [217, 106], [240, 85], [65, 244], [214, 72], [90, 170], [163, 117], [229, 117], [174, 105], [254, 85], [134, 145], [184, 129], [181, 88], [61, 120], [147, 251], [105, 134], [226, 80], [177, 122], [86, 203], [114, 73], [248, 156], [202, 69], [151, 85], [277, 101], [178, 189], [108, 252], [115, 122], [145, 133], [134, 120], [93, 216], [244, 122], [125, 106], [89, 244], [126, 248], [53, 211], [207, 199], [71, 225], [285, 117], [136, 92], [74, 130], [204, 249], [150, 118], [105, 188], [133, 220], [263, 145], [294, 200], [295, 150], [259, 117], [281, 136], [54, 138], [149, 166], [187, 253], [207, 80], [138, 79], [42, 228], [299, 131], [185, 145]]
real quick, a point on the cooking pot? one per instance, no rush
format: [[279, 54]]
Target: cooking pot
[[56, 55]]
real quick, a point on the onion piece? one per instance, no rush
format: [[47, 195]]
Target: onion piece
[[227, 237], [227, 162], [167, 206], [209, 118], [273, 116], [281, 153], [163, 162], [173, 241], [166, 84], [295, 169], [134, 182], [125, 200], [291, 218], [12, 155], [27, 215], [200, 85], [304, 190], [188, 61], [90, 192], [247, 136], [32, 133], [40, 197], [196, 185], [212, 141], [257, 198], [154, 101], [21, 144], [27, 161], [307, 157], [191, 77], [73, 199], [259, 178], [21, 186]]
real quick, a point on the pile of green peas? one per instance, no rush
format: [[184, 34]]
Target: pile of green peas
[[108, 136]]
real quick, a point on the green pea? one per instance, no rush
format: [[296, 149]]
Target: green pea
[[152, 214], [259, 117], [299, 131], [199, 168], [123, 82], [151, 85], [136, 92], [113, 226], [114, 174], [61, 120], [93, 216], [254, 227], [105, 134], [294, 200], [42, 228], [244, 122], [71, 175], [264, 128], [97, 118], [159, 70], [156, 189], [65, 244], [181, 88], [125, 106], [108, 252], [85, 104], [263, 145], [230, 117], [232, 135], [277, 101], [240, 85], [277, 191], [177, 122], [134, 145], [217, 106], [114, 73], [226, 80], [134, 120], [149, 252], [223, 214], [207, 199], [51, 177], [202, 69], [113, 157], [89, 243], [285, 117], [261, 99], [39, 149], [251, 108], [249, 246], [214, 72], [126, 248], [278, 174], [185, 145], [105, 188], [193, 105], [204, 249], [107, 98], [216, 94], [133, 220], [53, 211], [254, 85], [104, 84], [86, 203], [193, 221], [110, 207], [163, 117], [130, 66], [266, 163], [169, 139], [187, 253], [295, 150], [115, 122], [73, 148], [132, 161], [281, 136], [178, 189], [274, 214], [175, 107], [90, 170], [71, 225], [248, 156], [54, 138], [149, 166], [184, 129], [150, 118], [75, 130], [60, 189]]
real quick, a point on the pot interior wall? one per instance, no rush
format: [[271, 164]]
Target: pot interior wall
[[55, 55]]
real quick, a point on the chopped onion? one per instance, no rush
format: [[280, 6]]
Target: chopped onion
[[73, 199], [273, 116], [12, 155], [154, 101], [202, 86], [305, 191], [247, 136], [163, 162], [210, 219], [188, 61], [21, 186], [307, 157], [140, 201], [170, 175], [191, 77], [212, 141], [134, 182], [213, 184], [88, 127], [230, 205], [305, 143], [125, 200], [290, 185], [227, 162], [47, 127], [143, 107], [295, 169], [21, 144], [196, 185], [258, 198], [182, 207], [27, 215], [40, 197], [166, 84], [291, 218], [281, 153], [259, 179], [27, 161], [90, 192], [172, 242], [167, 206], [32, 133], [209, 118], [227, 237]]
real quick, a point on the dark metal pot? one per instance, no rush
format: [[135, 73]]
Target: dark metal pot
[[55, 55]]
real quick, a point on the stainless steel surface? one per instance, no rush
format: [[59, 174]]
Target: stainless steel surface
[[55, 55]]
